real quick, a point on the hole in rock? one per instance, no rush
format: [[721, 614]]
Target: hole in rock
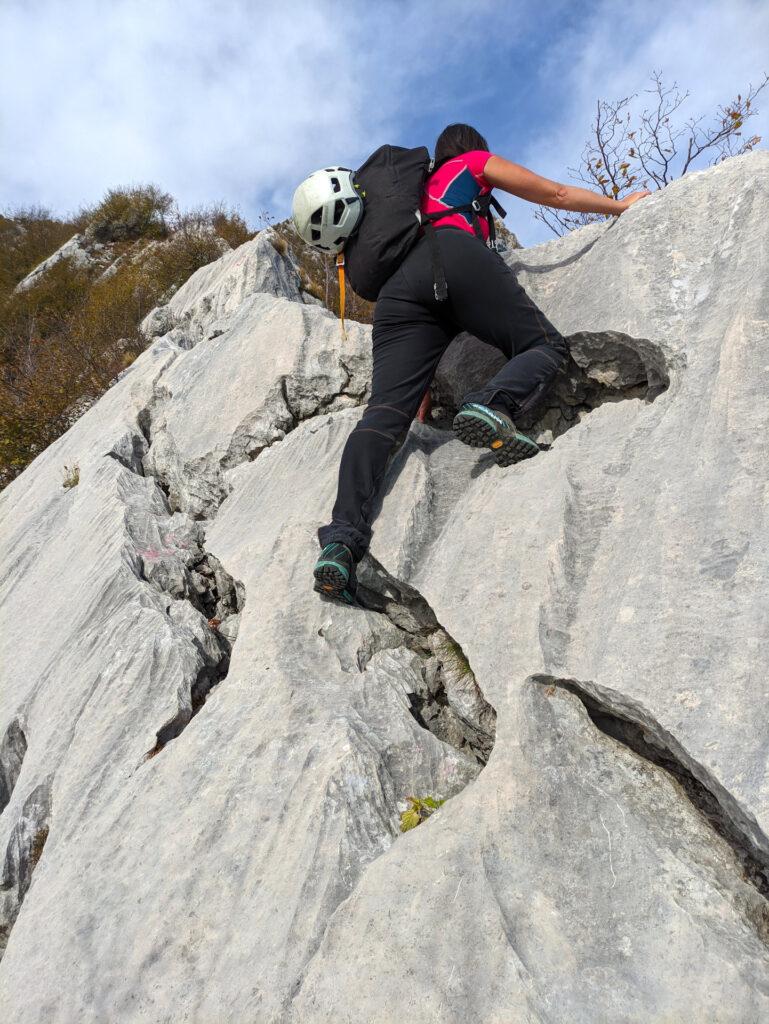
[[210, 675]]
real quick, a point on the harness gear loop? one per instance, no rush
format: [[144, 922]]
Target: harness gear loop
[[340, 271]]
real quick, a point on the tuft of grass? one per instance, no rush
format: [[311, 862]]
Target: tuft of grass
[[279, 244], [420, 809], [457, 656], [313, 288], [71, 476], [38, 842]]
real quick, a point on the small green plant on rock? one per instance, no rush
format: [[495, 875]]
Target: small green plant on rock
[[455, 657], [420, 808], [71, 476]]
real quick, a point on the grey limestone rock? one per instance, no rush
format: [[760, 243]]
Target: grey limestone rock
[[203, 762]]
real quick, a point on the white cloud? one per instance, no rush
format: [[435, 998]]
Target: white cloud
[[238, 99], [233, 100], [207, 100], [711, 48]]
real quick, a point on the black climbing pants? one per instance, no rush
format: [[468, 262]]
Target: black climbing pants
[[411, 332]]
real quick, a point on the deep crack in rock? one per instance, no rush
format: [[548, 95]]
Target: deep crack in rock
[[12, 751], [211, 673], [648, 740], [450, 703], [22, 855], [169, 555], [144, 422], [603, 367]]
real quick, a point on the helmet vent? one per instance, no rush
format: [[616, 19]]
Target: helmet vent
[[335, 185], [338, 241], [338, 211], [317, 217], [315, 235]]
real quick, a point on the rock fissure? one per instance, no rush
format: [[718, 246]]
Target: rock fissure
[[287, 402], [627, 723], [210, 674], [22, 855], [198, 486], [449, 703], [446, 701], [169, 554], [12, 751], [254, 435], [603, 367]]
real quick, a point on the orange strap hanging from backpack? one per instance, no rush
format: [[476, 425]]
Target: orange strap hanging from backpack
[[340, 269]]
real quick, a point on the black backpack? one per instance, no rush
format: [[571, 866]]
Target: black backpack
[[391, 183]]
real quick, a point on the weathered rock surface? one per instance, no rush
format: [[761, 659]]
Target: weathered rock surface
[[79, 250], [269, 361], [202, 762]]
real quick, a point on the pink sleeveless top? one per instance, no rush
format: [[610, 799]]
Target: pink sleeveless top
[[458, 181]]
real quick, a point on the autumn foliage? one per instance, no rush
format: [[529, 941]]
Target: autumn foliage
[[628, 151], [64, 339]]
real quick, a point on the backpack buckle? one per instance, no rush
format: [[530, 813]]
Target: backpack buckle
[[476, 205]]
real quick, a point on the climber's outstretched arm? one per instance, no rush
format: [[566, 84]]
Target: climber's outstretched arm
[[520, 181]]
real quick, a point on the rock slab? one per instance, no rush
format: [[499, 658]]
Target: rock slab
[[203, 763]]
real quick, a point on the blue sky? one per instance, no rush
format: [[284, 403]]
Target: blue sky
[[237, 100]]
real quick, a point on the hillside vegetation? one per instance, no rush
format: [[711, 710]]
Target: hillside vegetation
[[67, 330]]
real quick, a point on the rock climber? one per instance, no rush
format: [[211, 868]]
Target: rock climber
[[412, 330]]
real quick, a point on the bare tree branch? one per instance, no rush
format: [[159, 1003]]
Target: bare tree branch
[[626, 152]]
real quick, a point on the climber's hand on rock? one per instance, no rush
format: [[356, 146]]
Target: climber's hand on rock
[[632, 198]]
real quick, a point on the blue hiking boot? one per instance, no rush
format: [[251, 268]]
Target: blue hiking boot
[[483, 427], [335, 573]]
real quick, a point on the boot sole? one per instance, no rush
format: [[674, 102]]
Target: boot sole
[[344, 596], [330, 582], [506, 450]]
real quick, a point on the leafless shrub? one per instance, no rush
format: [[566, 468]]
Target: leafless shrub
[[627, 152]]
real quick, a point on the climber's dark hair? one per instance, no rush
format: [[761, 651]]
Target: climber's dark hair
[[456, 139]]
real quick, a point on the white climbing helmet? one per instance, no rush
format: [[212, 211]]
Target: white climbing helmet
[[327, 208]]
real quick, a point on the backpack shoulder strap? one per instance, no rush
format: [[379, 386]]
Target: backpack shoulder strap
[[479, 207]]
